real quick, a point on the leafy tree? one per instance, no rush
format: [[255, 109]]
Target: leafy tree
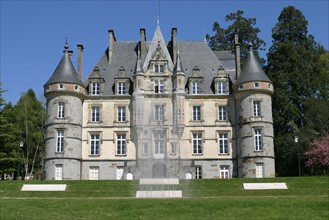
[[298, 73], [223, 39], [318, 157], [30, 116]]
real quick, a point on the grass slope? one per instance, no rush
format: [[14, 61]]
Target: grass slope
[[306, 198]]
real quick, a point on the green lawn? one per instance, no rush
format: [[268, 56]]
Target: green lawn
[[306, 198]]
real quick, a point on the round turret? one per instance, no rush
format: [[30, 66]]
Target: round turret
[[64, 92], [253, 90]]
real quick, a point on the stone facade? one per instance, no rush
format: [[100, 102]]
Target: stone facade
[[159, 109]]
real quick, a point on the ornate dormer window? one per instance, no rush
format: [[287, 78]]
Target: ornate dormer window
[[195, 81], [121, 82], [96, 82], [221, 82]]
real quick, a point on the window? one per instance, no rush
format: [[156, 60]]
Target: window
[[121, 88], [222, 113], [61, 86], [94, 144], [196, 113], [121, 113], [95, 88], [197, 143], [198, 172], [256, 107], [223, 143], [173, 148], [60, 141], [121, 144], [158, 86], [159, 141], [61, 110], [221, 87], [158, 68], [224, 172], [258, 139], [145, 148], [196, 88], [58, 172], [95, 114], [256, 84], [93, 173], [158, 113]]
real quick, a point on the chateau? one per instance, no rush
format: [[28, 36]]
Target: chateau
[[159, 109]]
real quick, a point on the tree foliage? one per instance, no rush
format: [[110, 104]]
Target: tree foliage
[[223, 39], [298, 67], [30, 117], [318, 157]]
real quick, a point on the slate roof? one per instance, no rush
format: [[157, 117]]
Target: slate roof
[[65, 72], [191, 53], [252, 71]]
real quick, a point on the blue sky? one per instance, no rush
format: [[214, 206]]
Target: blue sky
[[33, 32]]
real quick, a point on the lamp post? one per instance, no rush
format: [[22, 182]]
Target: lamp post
[[298, 155], [21, 144]]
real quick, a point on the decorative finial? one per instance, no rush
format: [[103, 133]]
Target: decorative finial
[[158, 15], [250, 46], [66, 47]]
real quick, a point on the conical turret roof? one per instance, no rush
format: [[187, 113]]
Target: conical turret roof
[[65, 72], [252, 71]]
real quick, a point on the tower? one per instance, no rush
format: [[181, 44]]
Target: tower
[[253, 91], [64, 92]]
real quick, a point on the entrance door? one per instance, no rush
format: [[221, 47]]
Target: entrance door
[[58, 172], [119, 173], [259, 170], [159, 170]]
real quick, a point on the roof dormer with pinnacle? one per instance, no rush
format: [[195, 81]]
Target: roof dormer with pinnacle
[[158, 50], [253, 76], [65, 78]]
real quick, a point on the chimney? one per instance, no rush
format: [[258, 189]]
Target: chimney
[[237, 55], [111, 44], [80, 57], [174, 44], [143, 44]]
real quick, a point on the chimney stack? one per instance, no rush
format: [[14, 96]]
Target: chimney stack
[[111, 44], [80, 58], [142, 44], [237, 55], [174, 44]]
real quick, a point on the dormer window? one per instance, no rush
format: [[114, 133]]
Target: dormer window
[[221, 82], [195, 81], [121, 82], [158, 68], [121, 88], [221, 87], [196, 88], [95, 88]]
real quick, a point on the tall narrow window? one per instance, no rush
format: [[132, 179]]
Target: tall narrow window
[[158, 86], [196, 113], [198, 172], [121, 114], [256, 107], [61, 110], [197, 143], [258, 139], [121, 88], [121, 144], [221, 87], [95, 114], [158, 112], [259, 170], [60, 141], [95, 88], [222, 113], [223, 143], [145, 148], [196, 88], [94, 144], [159, 141]]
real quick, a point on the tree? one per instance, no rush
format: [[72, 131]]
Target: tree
[[223, 39], [318, 157], [30, 116], [298, 74]]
